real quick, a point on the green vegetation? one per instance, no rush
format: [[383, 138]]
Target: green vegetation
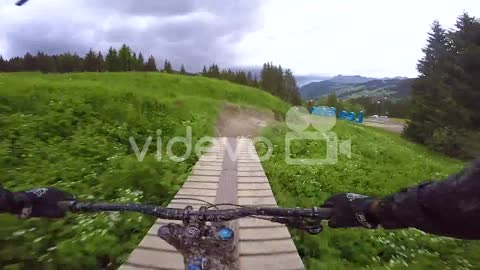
[[339, 104], [444, 111], [381, 163], [273, 79], [395, 89], [71, 131]]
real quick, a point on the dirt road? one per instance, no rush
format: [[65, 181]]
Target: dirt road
[[385, 124]]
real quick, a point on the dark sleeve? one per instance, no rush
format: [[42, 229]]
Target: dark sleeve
[[450, 207], [7, 202]]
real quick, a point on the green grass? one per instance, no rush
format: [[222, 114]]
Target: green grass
[[381, 163], [71, 131]]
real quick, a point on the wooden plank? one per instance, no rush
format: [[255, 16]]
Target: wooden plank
[[262, 244], [249, 186], [145, 258], [255, 193], [196, 192], [196, 172], [200, 185], [257, 201], [203, 178], [242, 174], [256, 223], [289, 261], [266, 233], [267, 247]]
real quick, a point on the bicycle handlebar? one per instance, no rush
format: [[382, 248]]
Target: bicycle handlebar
[[202, 214]]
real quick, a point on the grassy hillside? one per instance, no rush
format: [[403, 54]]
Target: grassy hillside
[[393, 88], [381, 163], [71, 131]]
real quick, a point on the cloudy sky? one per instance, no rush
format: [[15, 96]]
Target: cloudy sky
[[371, 38]]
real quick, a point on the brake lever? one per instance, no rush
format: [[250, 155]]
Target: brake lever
[[312, 226]]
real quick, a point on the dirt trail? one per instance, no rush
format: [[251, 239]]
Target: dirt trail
[[387, 125], [237, 121]]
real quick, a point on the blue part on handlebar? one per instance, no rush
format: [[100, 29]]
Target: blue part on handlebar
[[225, 233]]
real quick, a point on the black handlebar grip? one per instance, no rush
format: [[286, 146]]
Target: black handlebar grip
[[323, 212]]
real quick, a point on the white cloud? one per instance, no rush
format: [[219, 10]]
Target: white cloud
[[375, 38], [193, 33]]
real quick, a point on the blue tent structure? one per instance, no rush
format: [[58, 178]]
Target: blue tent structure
[[343, 115], [360, 117], [324, 111], [332, 111]]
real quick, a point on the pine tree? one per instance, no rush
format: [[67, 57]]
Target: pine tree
[[91, 62], [464, 73], [125, 58], [29, 62], [46, 63], [111, 60], [291, 88], [100, 62], [444, 108], [167, 67], [151, 65], [436, 50], [3, 65], [182, 70], [140, 62], [427, 88], [255, 82], [213, 71], [134, 61]]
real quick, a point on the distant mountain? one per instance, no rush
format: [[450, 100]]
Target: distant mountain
[[351, 79], [305, 79], [370, 87]]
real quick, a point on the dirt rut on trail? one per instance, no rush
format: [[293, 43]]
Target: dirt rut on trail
[[237, 121]]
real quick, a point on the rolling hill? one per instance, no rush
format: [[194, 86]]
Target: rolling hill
[[347, 87], [381, 163], [71, 131]]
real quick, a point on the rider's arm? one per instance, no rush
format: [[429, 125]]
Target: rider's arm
[[450, 207], [7, 202], [40, 202]]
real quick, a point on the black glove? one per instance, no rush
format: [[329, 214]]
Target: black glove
[[41, 202], [350, 210]]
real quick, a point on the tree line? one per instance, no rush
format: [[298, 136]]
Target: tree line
[[273, 79], [444, 111], [340, 105], [125, 59], [369, 105]]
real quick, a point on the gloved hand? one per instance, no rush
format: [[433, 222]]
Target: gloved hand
[[351, 210], [41, 202]]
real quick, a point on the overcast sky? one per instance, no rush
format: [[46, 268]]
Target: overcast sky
[[371, 38]]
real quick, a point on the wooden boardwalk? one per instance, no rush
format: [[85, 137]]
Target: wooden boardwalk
[[217, 178]]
